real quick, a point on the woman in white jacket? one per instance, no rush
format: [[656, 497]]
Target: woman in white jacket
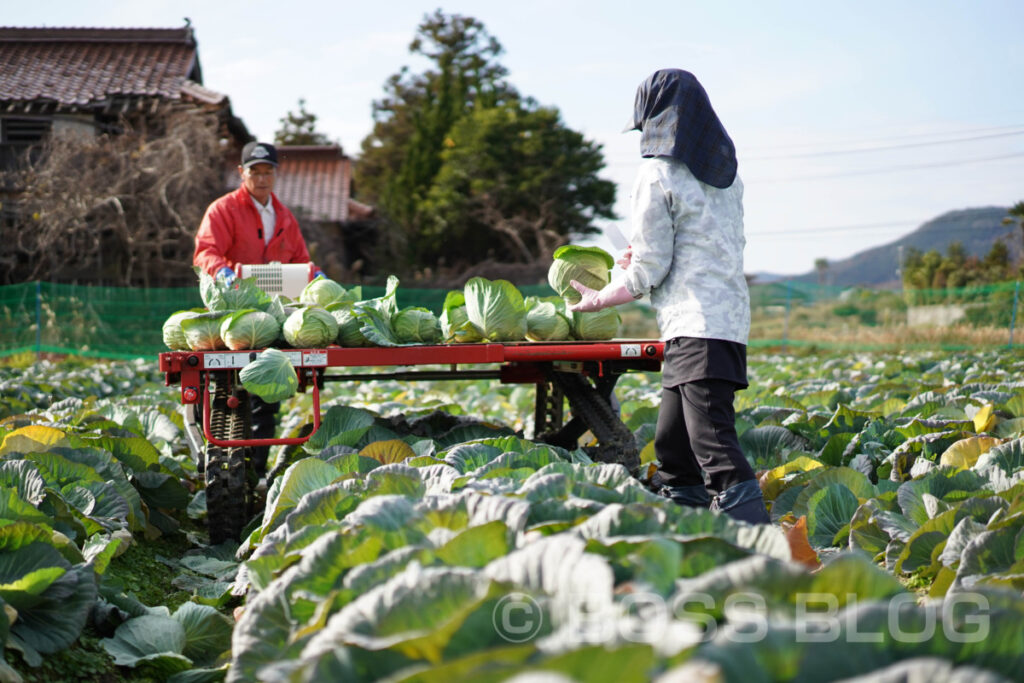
[[686, 251]]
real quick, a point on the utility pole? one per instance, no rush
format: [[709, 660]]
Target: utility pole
[[899, 266]]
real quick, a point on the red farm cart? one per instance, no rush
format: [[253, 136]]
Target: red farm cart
[[582, 373]]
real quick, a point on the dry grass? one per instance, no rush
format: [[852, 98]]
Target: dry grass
[[895, 337], [817, 327]]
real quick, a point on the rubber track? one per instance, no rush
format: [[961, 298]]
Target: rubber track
[[226, 504], [616, 442]]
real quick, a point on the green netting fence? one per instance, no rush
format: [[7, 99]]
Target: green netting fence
[[116, 322], [122, 322]]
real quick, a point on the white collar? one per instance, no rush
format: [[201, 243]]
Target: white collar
[[269, 206]]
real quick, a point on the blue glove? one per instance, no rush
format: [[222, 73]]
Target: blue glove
[[226, 274], [318, 273]]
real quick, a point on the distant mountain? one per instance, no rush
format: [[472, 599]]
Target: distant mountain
[[976, 229]]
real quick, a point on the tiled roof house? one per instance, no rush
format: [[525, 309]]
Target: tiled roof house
[[317, 179], [315, 182], [86, 78]]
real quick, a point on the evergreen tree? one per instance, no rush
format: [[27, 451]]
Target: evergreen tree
[[299, 128], [438, 134], [513, 181]]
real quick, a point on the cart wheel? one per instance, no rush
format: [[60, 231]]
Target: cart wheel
[[226, 486], [617, 444]]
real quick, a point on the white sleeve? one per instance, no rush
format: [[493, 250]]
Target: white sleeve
[[653, 233]]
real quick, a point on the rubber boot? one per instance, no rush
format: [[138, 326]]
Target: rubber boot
[[743, 502], [691, 496], [695, 496]]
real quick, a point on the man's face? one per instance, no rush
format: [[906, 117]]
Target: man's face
[[259, 181]]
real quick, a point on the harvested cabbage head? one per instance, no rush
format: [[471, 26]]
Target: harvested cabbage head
[[590, 266], [310, 328], [322, 291], [349, 326], [496, 308], [544, 322], [455, 324], [202, 332], [416, 326], [596, 325], [174, 336], [249, 330], [271, 376]]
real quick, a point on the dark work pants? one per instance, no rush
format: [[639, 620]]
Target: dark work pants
[[695, 440], [264, 424]]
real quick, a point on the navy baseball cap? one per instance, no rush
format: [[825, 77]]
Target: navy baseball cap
[[258, 153]]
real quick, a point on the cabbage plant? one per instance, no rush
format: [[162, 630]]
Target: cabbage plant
[[270, 376], [249, 329], [590, 266], [496, 308], [310, 327]]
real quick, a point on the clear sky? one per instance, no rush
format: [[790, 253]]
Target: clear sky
[[854, 122]]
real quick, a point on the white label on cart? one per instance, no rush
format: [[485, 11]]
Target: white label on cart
[[225, 360], [240, 360], [630, 350], [314, 358]]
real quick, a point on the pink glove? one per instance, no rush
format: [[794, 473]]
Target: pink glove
[[626, 259], [594, 300]]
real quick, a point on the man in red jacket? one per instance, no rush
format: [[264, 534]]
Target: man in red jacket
[[250, 225]]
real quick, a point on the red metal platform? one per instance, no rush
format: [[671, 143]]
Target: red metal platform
[[521, 362]]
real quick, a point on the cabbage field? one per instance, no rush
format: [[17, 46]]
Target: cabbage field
[[421, 536]]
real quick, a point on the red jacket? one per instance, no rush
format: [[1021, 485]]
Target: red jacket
[[230, 235]]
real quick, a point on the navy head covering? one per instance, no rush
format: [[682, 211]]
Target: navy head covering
[[675, 119]]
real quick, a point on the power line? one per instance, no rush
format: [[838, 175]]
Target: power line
[[877, 144], [833, 229], [862, 227], [862, 150], [885, 169], [885, 140]]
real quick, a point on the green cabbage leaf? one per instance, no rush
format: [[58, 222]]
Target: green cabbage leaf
[[375, 315], [242, 293]]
